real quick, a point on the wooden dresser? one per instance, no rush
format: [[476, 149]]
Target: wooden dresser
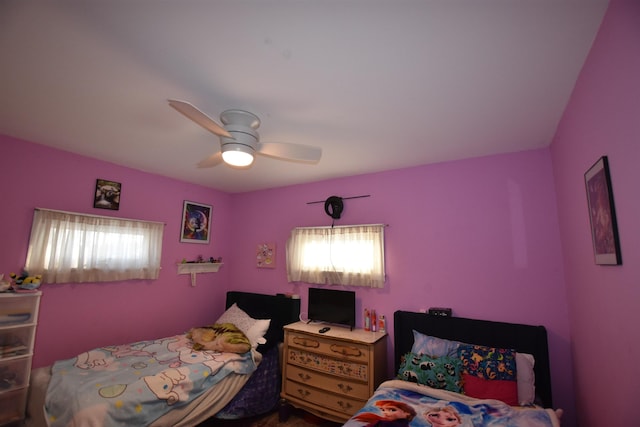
[[333, 374]]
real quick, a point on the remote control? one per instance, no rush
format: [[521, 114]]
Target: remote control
[[323, 330]]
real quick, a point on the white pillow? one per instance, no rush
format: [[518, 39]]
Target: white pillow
[[254, 329], [433, 346], [257, 331], [526, 378]]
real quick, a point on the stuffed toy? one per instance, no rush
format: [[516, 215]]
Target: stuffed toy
[[24, 281], [221, 337]]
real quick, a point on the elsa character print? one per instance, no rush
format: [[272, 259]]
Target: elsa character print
[[444, 416]]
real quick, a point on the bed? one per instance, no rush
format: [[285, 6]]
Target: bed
[[454, 371], [173, 385]]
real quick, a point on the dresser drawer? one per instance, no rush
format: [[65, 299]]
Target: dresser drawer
[[14, 373], [18, 309], [328, 382], [328, 365], [12, 404], [324, 399], [16, 341], [331, 347]]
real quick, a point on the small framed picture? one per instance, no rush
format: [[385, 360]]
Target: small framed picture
[[107, 195], [196, 222], [266, 255], [602, 214]]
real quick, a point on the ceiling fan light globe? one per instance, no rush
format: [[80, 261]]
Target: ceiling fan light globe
[[237, 157]]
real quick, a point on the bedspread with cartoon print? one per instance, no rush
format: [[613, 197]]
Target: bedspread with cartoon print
[[134, 384], [401, 403]]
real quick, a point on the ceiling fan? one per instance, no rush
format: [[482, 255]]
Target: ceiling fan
[[239, 141]]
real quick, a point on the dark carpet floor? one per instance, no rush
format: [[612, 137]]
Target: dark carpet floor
[[297, 418]]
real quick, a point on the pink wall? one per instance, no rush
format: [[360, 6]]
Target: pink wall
[[603, 118], [480, 236], [78, 317]]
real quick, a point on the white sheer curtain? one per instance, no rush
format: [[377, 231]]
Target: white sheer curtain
[[67, 247], [347, 255]]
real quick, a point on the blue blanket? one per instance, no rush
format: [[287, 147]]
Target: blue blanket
[[401, 403], [134, 384]]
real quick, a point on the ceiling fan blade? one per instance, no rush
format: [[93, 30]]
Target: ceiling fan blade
[[191, 112], [288, 151], [211, 161]]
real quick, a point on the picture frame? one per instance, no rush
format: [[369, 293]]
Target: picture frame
[[107, 194], [266, 255], [602, 214], [196, 222]]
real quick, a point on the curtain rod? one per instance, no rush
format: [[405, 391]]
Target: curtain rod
[[343, 198], [341, 226], [98, 216]]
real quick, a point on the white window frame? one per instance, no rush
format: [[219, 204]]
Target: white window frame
[[342, 255], [68, 247]]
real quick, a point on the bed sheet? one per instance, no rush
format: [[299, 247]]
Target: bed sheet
[[194, 413], [137, 384]]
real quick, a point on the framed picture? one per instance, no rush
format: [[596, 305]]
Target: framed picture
[[196, 222], [107, 195], [266, 255], [602, 214]]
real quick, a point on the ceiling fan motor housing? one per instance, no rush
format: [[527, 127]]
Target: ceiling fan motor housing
[[242, 126], [242, 137], [240, 118]]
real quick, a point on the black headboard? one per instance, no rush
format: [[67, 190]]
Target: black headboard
[[522, 338], [280, 309]]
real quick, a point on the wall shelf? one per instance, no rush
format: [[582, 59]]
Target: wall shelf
[[194, 268]]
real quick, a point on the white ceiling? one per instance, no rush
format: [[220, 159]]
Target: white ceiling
[[377, 84]]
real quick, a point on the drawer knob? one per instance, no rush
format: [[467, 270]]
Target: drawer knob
[[303, 393], [346, 388], [304, 376], [345, 370], [346, 351], [344, 405]]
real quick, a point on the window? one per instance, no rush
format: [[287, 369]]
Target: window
[[67, 247], [349, 255]]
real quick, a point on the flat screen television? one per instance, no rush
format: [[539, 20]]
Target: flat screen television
[[332, 306]]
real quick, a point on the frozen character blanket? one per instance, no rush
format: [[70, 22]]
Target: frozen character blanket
[[402, 403]]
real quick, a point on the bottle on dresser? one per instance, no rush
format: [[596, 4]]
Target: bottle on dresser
[[374, 321], [382, 323]]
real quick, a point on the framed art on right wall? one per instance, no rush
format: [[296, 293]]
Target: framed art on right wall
[[602, 214]]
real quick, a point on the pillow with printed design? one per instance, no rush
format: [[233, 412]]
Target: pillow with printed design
[[525, 377], [489, 373], [488, 362], [439, 372]]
